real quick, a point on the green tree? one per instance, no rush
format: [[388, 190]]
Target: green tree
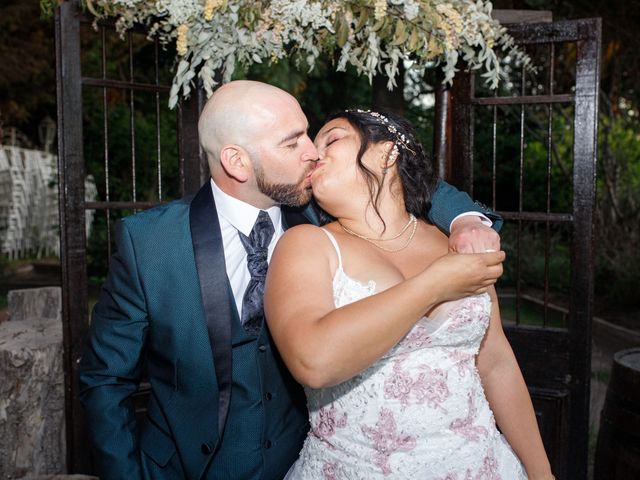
[[27, 66]]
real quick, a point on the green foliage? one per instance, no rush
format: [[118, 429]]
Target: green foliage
[[47, 8], [27, 66], [531, 257], [618, 214], [529, 313], [155, 179], [121, 171]]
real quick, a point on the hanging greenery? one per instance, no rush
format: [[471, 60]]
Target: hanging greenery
[[372, 35]]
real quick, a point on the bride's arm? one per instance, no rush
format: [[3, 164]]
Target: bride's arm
[[509, 397], [322, 345]]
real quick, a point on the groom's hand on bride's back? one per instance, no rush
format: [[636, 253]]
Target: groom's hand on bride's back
[[470, 235]]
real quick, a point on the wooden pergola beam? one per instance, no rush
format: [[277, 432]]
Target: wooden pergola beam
[[522, 16]]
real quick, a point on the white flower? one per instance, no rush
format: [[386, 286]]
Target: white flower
[[180, 11], [411, 9]]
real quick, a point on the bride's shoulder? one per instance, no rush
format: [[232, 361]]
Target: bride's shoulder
[[302, 236], [304, 230], [305, 242]]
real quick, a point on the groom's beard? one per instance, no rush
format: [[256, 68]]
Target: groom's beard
[[289, 194]]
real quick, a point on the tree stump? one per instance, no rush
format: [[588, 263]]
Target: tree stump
[[32, 433]]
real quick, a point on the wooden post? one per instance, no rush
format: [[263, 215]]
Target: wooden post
[[71, 174], [442, 129], [522, 16]]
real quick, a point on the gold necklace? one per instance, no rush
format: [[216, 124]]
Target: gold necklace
[[391, 250], [404, 229]]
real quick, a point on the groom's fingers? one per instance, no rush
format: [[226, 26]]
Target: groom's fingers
[[470, 235]]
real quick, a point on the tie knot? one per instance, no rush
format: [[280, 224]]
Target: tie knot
[[257, 243], [262, 231]]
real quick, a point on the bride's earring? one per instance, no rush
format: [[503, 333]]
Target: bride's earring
[[390, 159], [394, 154]]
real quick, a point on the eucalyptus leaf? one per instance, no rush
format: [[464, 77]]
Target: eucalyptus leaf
[[400, 35], [246, 32], [362, 19], [342, 33]]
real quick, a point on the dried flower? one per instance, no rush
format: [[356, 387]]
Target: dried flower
[[380, 9], [181, 41], [373, 37], [210, 6]]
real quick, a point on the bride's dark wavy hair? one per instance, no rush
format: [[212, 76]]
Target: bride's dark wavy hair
[[417, 176]]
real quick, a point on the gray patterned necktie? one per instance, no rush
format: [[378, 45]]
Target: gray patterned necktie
[[257, 247]]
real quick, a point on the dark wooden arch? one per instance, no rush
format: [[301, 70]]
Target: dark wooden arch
[[556, 362]]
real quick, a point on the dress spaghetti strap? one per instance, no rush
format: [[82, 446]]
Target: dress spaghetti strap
[[335, 245]]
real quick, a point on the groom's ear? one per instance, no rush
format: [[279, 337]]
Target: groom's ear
[[236, 162]]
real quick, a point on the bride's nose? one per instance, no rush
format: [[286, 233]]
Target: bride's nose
[[321, 152]]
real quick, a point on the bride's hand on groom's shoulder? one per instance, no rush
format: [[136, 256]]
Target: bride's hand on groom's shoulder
[[459, 275]]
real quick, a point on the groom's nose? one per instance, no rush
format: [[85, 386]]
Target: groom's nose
[[310, 152]]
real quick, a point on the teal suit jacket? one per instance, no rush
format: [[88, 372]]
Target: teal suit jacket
[[166, 309]]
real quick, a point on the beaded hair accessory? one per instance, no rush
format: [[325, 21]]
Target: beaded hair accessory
[[401, 139]]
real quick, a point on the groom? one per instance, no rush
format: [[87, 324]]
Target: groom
[[182, 303]]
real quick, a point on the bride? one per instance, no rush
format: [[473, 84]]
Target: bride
[[398, 343]]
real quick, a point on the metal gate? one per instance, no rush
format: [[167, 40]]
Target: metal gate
[[553, 229], [73, 32]]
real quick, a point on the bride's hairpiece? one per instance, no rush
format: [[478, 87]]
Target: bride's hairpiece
[[401, 139]]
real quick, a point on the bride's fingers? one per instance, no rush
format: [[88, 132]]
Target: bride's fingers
[[493, 258], [487, 282], [495, 270], [491, 276]]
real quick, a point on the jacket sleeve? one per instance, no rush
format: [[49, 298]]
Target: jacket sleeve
[[448, 202], [111, 365]]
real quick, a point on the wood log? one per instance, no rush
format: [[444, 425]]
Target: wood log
[[32, 432]]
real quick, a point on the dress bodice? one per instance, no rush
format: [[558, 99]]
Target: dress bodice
[[418, 412]]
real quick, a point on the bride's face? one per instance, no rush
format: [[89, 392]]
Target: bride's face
[[337, 176]]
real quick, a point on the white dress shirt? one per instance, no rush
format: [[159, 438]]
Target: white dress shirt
[[235, 215], [484, 219]]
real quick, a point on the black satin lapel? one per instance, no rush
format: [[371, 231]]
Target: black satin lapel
[[209, 255]]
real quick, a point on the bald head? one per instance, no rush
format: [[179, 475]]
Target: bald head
[[240, 113]]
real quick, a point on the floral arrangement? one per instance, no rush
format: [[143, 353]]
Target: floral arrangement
[[372, 35]]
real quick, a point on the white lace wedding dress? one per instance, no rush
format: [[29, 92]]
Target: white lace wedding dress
[[419, 412]]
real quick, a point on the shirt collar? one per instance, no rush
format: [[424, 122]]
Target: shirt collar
[[240, 214]]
